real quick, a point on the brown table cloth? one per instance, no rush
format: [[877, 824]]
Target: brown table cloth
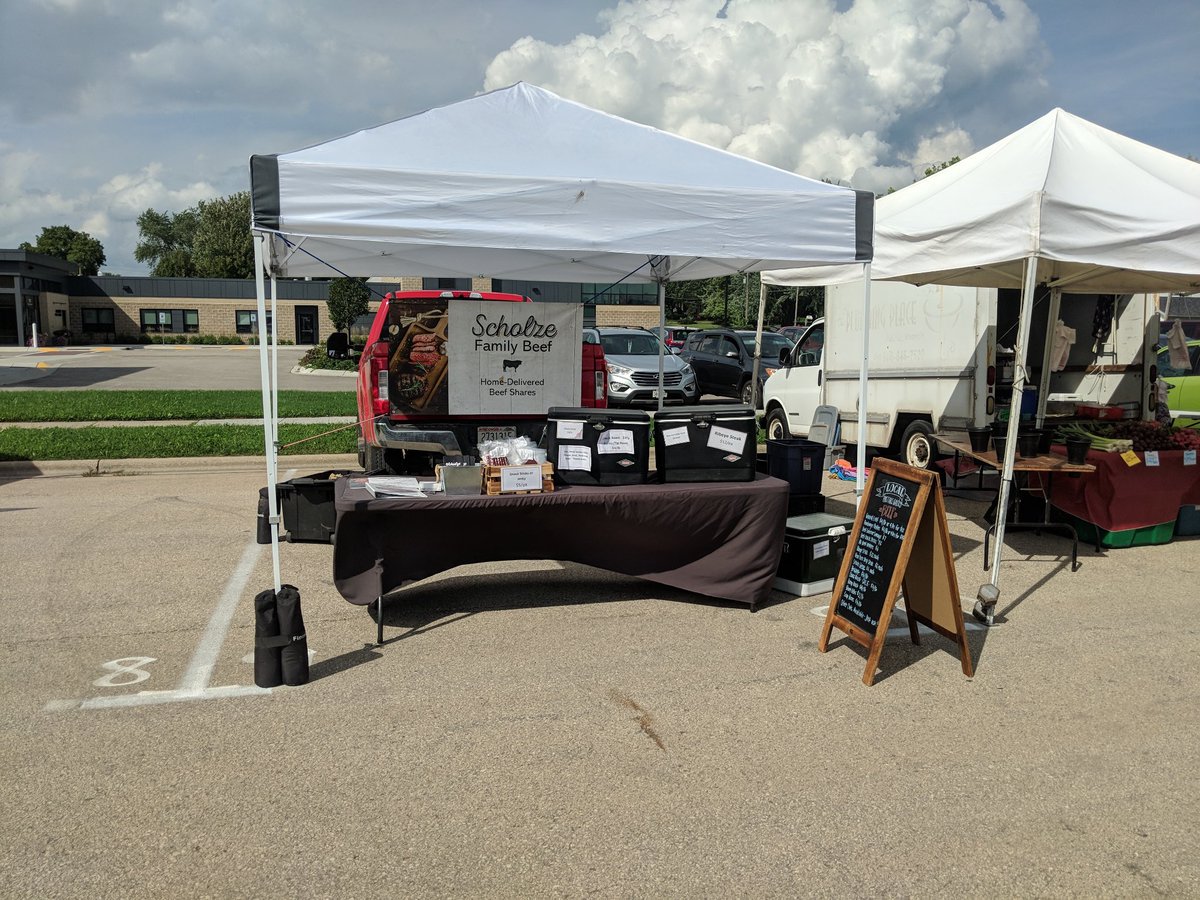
[[718, 539]]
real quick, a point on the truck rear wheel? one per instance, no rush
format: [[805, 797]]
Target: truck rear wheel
[[917, 447], [380, 461], [777, 426]]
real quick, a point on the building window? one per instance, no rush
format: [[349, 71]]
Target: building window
[[246, 321], [446, 284], [98, 321], [170, 321]]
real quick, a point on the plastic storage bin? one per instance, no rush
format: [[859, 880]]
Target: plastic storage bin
[[706, 443], [1188, 523], [598, 446], [306, 505], [798, 462], [813, 547]]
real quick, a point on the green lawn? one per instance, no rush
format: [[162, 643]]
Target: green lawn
[[153, 441], [110, 406]]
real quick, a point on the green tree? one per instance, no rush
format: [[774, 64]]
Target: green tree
[[210, 240], [64, 242], [224, 247], [167, 241], [942, 165], [349, 298]]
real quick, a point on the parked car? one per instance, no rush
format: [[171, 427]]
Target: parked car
[[1183, 398], [632, 357], [674, 336], [792, 332], [723, 360]]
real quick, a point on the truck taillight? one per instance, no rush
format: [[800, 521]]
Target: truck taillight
[[991, 376], [379, 379], [599, 384]]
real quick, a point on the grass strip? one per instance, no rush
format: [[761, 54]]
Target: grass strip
[[154, 441], [115, 406]]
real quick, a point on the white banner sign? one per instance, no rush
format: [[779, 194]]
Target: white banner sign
[[514, 358]]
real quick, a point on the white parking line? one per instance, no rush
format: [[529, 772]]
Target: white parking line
[[194, 683], [200, 667]]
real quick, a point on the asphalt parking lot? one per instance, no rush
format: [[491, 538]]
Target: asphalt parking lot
[[546, 729]]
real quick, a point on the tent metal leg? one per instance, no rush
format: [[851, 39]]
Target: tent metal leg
[[378, 604]]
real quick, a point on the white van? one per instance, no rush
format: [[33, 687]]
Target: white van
[[941, 360]]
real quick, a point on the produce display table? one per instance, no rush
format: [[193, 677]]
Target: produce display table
[[1120, 498], [718, 539], [1031, 475]]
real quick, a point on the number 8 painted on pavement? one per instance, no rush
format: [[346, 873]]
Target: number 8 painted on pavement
[[127, 666]]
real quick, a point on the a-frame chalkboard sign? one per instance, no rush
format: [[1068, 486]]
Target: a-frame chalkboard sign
[[900, 539]]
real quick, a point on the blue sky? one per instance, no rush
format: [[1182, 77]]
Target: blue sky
[[109, 107]]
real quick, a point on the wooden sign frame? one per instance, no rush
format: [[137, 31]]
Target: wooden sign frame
[[924, 568]]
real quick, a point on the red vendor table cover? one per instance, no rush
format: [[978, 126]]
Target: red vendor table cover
[[1119, 497]]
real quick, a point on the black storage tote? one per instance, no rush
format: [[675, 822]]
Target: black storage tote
[[598, 446], [706, 443]]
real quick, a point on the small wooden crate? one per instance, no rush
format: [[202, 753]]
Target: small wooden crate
[[491, 480]]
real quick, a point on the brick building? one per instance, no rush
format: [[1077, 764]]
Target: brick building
[[119, 309]]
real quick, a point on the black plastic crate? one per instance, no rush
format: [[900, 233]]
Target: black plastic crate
[[804, 504], [306, 505], [706, 443], [598, 446], [797, 461]]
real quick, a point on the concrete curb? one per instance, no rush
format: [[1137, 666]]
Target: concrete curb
[[304, 370]]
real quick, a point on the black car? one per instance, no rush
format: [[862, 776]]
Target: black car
[[723, 360]]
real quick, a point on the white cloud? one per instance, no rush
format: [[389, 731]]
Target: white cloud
[[858, 95]]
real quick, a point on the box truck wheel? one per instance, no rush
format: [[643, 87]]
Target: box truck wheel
[[917, 447], [777, 426]]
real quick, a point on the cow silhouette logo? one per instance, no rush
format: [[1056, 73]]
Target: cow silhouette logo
[[511, 365]]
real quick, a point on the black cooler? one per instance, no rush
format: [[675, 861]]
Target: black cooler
[[598, 446], [706, 443], [813, 546]]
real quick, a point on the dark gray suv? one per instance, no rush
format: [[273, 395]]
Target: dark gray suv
[[723, 359]]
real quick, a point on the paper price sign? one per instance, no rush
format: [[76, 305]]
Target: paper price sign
[[575, 457], [569, 431], [1152, 457], [1189, 457], [1131, 458], [615, 440], [673, 436], [727, 439], [520, 478]]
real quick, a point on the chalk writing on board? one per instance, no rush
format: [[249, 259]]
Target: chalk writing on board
[[880, 536]]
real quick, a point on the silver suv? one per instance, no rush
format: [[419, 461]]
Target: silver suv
[[632, 357]]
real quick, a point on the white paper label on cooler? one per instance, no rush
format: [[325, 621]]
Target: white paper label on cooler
[[569, 431], [615, 440], [1152, 457], [1189, 457], [575, 457], [521, 478], [673, 436], [727, 439], [820, 548]]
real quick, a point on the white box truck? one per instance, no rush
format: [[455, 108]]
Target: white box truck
[[940, 360]]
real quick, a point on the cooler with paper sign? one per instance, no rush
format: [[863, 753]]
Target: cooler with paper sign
[[592, 446], [706, 443]]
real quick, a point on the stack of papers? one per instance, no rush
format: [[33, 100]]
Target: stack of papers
[[394, 486]]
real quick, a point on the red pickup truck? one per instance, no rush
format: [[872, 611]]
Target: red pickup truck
[[402, 387]]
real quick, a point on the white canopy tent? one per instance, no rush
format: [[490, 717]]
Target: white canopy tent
[[520, 183], [1061, 202]]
